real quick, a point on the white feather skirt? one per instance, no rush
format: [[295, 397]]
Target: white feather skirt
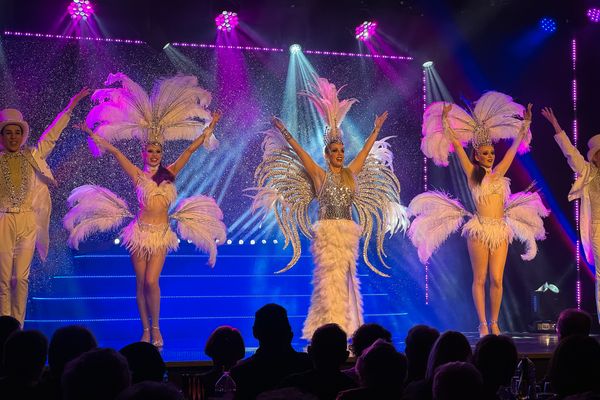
[[492, 232], [336, 289], [149, 239]]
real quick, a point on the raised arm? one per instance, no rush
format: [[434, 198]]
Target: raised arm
[[463, 158], [183, 159], [503, 165], [315, 172], [357, 164], [130, 169], [50, 136], [576, 161]]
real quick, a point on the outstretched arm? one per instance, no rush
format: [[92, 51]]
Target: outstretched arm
[[131, 170], [574, 157], [463, 158], [511, 153], [195, 145], [50, 136], [315, 172], [357, 164]]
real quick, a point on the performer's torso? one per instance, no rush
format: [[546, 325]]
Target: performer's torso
[[16, 180], [491, 195], [155, 200], [335, 198], [595, 195]]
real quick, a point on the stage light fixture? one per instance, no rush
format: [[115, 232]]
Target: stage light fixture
[[117, 241], [428, 64], [295, 48], [548, 24], [275, 241], [166, 46], [593, 15], [263, 241], [226, 21], [364, 31], [80, 9], [253, 242], [240, 241], [229, 241]]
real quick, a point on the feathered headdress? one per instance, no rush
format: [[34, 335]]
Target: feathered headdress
[[175, 110], [324, 97], [495, 116]]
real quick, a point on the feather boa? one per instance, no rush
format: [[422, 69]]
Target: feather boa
[[523, 213]]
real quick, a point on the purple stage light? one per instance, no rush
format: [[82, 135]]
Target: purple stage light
[[226, 21], [593, 14], [80, 9], [50, 36], [365, 30]]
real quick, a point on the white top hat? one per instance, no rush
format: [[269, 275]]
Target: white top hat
[[10, 116], [594, 146]]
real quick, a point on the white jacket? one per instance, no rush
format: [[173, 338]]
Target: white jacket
[[586, 172]]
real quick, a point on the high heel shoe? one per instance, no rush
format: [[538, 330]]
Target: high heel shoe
[[146, 336], [495, 328], [483, 329], [157, 339]]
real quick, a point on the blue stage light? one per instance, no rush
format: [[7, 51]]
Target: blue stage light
[[548, 24]]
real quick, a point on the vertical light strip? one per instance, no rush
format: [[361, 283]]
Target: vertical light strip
[[575, 142], [425, 181]]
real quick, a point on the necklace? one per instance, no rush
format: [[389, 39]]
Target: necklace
[[16, 197]]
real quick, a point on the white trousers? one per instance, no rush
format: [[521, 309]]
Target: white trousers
[[596, 250], [17, 245]]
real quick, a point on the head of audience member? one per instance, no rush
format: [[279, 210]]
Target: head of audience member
[[8, 325], [574, 367], [383, 368], [149, 390], [145, 362], [366, 335], [457, 381], [271, 326], [573, 322], [496, 358], [25, 356], [68, 343], [450, 346], [225, 346], [99, 374], [328, 347], [419, 341]]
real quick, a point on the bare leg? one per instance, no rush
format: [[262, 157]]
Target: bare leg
[[497, 263], [140, 267], [152, 293], [479, 254]]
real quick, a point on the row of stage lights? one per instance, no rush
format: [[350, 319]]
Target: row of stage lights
[[117, 241]]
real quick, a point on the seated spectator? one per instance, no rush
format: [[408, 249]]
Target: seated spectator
[[419, 341], [274, 359], [67, 343], [225, 346], [24, 359], [327, 351], [457, 381], [99, 374], [8, 325], [575, 366], [450, 346], [149, 390], [145, 362], [382, 372], [573, 322], [496, 359], [364, 337]]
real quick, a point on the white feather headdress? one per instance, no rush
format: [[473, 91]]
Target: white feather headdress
[[324, 97], [175, 110], [495, 116]]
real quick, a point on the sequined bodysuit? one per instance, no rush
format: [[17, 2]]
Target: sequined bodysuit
[[335, 199]]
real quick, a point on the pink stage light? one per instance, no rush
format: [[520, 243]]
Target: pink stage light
[[69, 37], [226, 21], [365, 30], [80, 9], [593, 14]]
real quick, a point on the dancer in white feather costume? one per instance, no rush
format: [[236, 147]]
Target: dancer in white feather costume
[[499, 216], [288, 179], [176, 109]]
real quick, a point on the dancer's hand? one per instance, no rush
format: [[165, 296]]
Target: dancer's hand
[[277, 123], [98, 140], [82, 126], [215, 117], [379, 122], [77, 98], [446, 110], [548, 113], [527, 113]]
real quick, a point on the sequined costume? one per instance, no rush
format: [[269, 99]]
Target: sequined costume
[[97, 209], [25, 215]]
